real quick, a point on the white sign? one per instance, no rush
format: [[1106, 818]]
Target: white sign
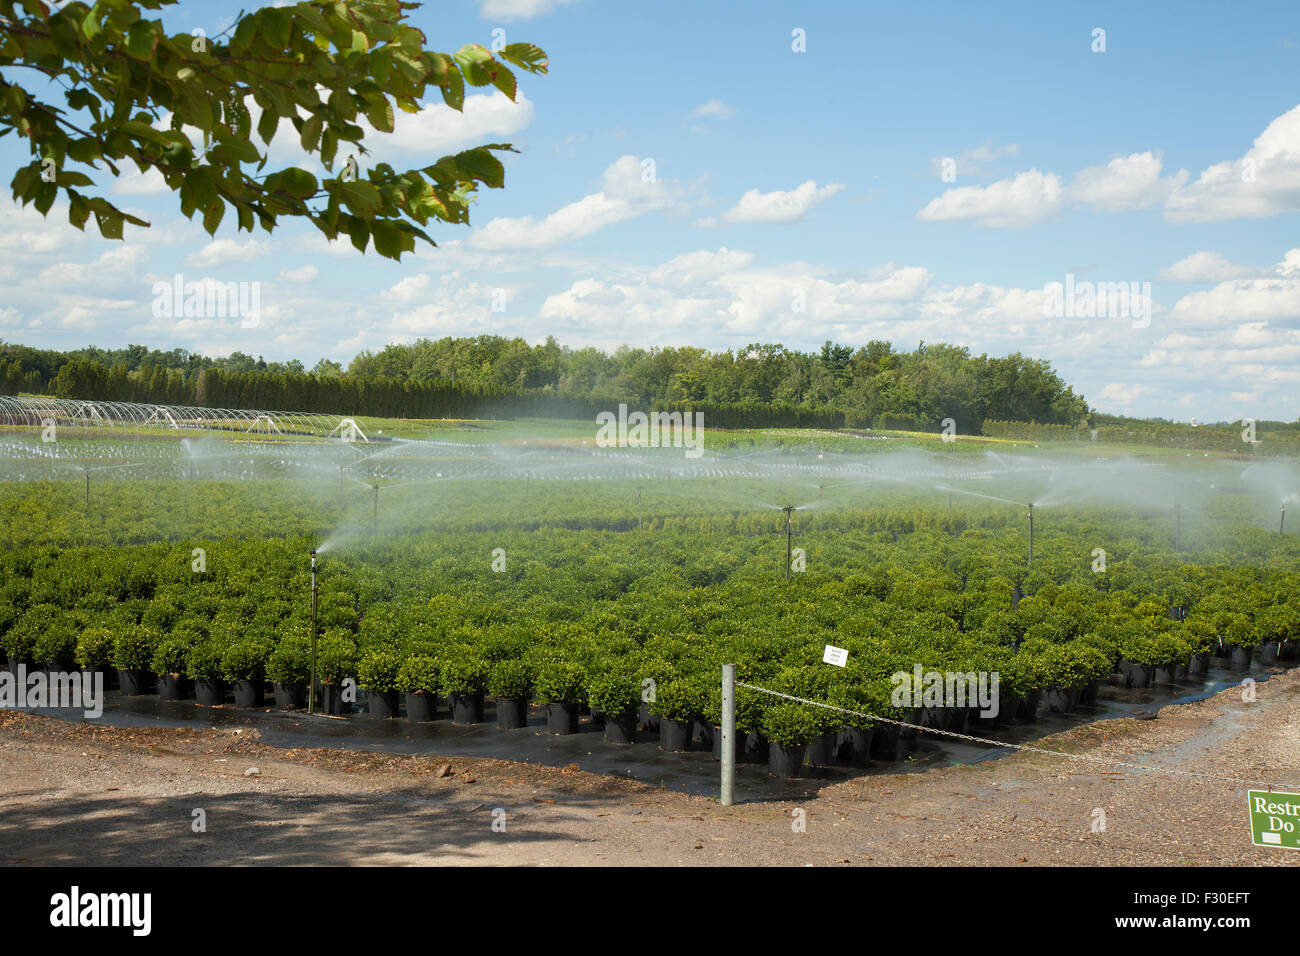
[[835, 655]]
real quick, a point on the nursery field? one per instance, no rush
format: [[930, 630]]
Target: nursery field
[[489, 561]]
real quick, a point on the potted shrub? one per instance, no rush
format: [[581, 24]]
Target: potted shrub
[[1140, 653], [203, 664], [678, 702], [616, 693], [95, 650], [336, 664], [464, 678], [289, 668], [133, 649], [377, 673], [243, 663], [510, 682], [55, 648], [418, 679], [170, 664], [788, 727], [20, 638], [559, 686]]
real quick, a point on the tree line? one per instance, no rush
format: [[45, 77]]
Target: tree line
[[495, 377]]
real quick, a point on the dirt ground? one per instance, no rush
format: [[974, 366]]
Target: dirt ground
[[76, 794]]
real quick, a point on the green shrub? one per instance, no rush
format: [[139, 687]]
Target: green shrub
[[510, 679], [203, 660], [171, 656], [377, 670], [56, 646], [791, 724], [680, 698], [464, 672], [290, 662], [133, 648], [614, 691], [94, 647], [418, 674], [336, 658], [245, 660], [559, 682]]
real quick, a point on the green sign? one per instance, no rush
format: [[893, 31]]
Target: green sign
[[1274, 818]]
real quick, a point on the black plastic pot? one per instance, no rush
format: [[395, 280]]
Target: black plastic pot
[[853, 746], [13, 663], [1288, 650], [210, 691], [1058, 700], [467, 708], [1181, 669], [512, 713], [785, 760], [738, 744], [1008, 707], [133, 681], [1137, 675], [1241, 657], [1268, 652], [759, 748], [886, 743], [289, 696], [381, 704], [621, 729], [1027, 712], [675, 735], [646, 720], [1164, 674], [1088, 693], [248, 693], [171, 687], [332, 702], [820, 750], [1199, 665], [421, 706], [561, 718]]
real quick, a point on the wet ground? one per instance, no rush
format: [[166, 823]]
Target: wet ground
[[693, 772]]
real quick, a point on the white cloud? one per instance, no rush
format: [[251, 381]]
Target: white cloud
[[1121, 395], [714, 107], [780, 206], [135, 183], [518, 9], [1031, 197], [438, 130], [221, 251], [626, 193], [1206, 267], [1238, 301], [305, 273], [1263, 182], [1126, 182], [1290, 264], [408, 288], [973, 162]]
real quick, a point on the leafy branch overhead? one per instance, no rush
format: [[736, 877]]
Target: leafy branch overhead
[[136, 94]]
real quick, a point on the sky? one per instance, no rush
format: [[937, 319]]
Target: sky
[[725, 174]]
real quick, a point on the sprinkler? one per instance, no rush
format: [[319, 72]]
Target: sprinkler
[[1282, 524], [638, 507], [88, 493], [1178, 527], [789, 539], [311, 687], [374, 524], [1031, 533]]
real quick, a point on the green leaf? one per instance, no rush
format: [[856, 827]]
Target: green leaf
[[359, 232], [525, 56], [277, 23], [380, 115], [298, 183], [311, 128], [480, 164], [360, 197], [267, 125], [475, 63], [212, 217], [142, 40]]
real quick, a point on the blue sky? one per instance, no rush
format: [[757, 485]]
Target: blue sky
[[795, 197]]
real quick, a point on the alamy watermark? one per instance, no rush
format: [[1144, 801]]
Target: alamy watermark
[[208, 299], [923, 688], [1098, 300], [78, 690], [652, 430]]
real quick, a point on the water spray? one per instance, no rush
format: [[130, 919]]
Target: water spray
[[1178, 526], [311, 686], [789, 539]]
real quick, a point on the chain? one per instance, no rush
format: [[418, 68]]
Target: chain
[[1025, 747]]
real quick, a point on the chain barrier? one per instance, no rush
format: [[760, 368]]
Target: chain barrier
[[1025, 747]]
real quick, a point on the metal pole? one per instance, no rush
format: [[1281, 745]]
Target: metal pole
[[638, 508], [1282, 524], [88, 495], [789, 533], [1031, 533], [311, 687], [375, 522], [728, 734]]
